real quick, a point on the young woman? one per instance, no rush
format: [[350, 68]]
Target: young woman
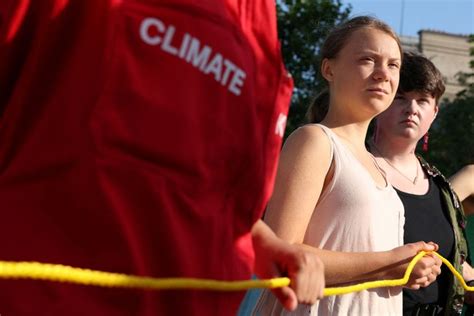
[[432, 210], [330, 193]]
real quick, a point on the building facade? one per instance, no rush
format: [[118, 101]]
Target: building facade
[[449, 52]]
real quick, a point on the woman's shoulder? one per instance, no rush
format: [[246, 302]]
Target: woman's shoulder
[[430, 169], [309, 141], [441, 181], [311, 133], [311, 138]]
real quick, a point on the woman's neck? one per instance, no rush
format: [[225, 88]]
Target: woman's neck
[[393, 150], [350, 131], [397, 157]]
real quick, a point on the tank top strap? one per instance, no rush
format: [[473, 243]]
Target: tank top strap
[[337, 147], [331, 137], [337, 150], [341, 154]]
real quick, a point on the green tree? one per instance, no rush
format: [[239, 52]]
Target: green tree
[[451, 139], [302, 27], [467, 79], [452, 135]]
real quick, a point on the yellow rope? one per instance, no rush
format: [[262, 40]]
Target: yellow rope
[[397, 282], [61, 273]]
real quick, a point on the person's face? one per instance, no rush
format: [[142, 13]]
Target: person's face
[[364, 76], [409, 116]]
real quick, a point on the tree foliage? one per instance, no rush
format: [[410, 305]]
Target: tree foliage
[[467, 79], [302, 27], [452, 136]]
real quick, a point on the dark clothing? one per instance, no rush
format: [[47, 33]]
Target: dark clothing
[[427, 310], [455, 214], [427, 219]]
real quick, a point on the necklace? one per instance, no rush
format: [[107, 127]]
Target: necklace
[[396, 169]]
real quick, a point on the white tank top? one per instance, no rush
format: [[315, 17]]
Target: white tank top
[[353, 215]]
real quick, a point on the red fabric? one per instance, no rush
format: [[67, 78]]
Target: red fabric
[[118, 153]]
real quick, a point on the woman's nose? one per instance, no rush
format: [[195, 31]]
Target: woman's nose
[[411, 106], [381, 73]]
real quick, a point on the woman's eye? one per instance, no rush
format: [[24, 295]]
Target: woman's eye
[[394, 65]]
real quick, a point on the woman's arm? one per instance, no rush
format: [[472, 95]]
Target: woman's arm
[[304, 163], [468, 275], [275, 257], [304, 166], [342, 268], [463, 184]]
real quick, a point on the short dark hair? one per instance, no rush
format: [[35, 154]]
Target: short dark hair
[[418, 73]]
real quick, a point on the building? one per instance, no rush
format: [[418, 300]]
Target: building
[[449, 52]]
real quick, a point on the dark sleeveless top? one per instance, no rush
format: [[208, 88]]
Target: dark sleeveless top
[[427, 220]]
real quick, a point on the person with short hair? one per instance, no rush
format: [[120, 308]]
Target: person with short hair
[[433, 210]]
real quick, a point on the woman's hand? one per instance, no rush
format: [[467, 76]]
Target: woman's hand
[[426, 269], [275, 257]]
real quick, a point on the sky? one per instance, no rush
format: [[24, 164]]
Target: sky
[[451, 16]]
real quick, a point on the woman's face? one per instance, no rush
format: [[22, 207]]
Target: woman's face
[[409, 116], [364, 76]]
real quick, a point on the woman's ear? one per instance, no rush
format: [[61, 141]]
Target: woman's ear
[[436, 110], [326, 70]]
